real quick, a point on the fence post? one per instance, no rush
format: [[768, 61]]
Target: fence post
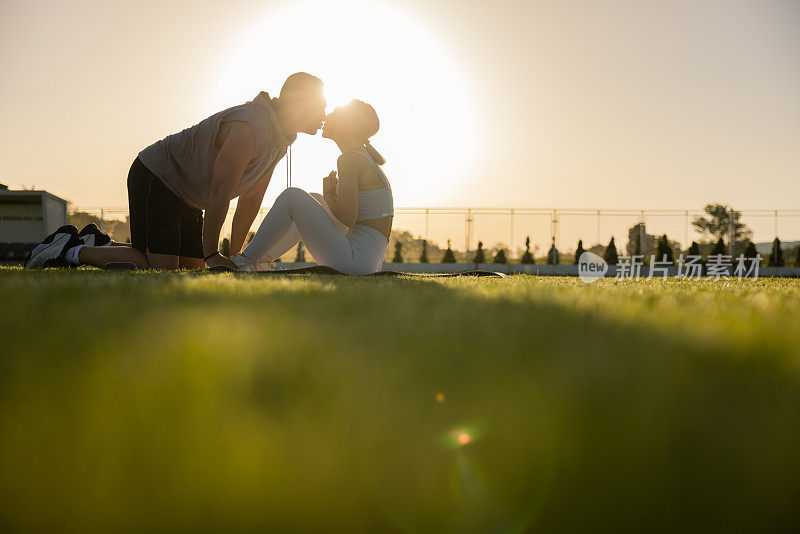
[[686, 230], [598, 227], [468, 232], [641, 234], [554, 224], [512, 231], [776, 223]]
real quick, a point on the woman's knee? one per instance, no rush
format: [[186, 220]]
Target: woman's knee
[[292, 193]]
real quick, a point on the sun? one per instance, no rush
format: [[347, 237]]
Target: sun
[[376, 52]]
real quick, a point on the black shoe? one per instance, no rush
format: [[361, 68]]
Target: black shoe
[[93, 237], [52, 251]]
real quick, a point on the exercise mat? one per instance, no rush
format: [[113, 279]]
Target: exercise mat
[[323, 269], [319, 269]]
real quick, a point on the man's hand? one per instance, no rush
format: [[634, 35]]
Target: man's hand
[[218, 259]]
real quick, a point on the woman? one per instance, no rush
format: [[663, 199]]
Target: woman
[[349, 227]]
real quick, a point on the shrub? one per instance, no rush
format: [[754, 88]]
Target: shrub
[[527, 257], [750, 251], [500, 257], [448, 257], [479, 254], [610, 255], [664, 251], [776, 258], [552, 255], [579, 251], [719, 248], [301, 253], [797, 261], [423, 258], [398, 252], [225, 247], [694, 249]]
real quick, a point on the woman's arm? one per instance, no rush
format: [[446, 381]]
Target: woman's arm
[[345, 204]]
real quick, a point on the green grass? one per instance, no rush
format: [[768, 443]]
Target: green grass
[[142, 401]]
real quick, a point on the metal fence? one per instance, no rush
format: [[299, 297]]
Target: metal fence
[[508, 228]]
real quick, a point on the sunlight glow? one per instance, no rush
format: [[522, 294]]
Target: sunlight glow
[[374, 52]]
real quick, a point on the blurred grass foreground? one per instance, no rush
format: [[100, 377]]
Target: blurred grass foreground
[[151, 402]]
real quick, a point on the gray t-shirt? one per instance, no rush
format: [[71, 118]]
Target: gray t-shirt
[[184, 161]]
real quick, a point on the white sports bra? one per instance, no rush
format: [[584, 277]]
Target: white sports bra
[[375, 203]]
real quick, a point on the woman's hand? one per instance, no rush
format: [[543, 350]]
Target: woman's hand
[[329, 184]]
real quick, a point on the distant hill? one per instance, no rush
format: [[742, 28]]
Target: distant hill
[[766, 248]]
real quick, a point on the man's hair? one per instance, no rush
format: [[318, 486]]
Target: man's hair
[[301, 84]]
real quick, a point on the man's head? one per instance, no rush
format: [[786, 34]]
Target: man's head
[[302, 103]]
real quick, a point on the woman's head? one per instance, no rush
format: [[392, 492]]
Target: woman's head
[[354, 121]]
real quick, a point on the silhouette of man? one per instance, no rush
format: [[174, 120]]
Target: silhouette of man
[[180, 188]]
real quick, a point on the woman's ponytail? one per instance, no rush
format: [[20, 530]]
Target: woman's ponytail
[[374, 154]]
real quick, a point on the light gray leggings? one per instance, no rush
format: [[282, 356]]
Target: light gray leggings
[[297, 215]]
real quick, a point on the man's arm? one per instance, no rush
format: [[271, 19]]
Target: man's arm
[[233, 158], [246, 211]]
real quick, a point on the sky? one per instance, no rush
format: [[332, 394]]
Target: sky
[[576, 104]]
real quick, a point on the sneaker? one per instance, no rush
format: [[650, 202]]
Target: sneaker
[[51, 251], [93, 237], [245, 264]]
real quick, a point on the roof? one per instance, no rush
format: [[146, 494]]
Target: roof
[[30, 193]]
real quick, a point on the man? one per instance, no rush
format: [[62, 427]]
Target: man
[[180, 188]]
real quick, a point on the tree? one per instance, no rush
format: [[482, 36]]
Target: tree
[[479, 254], [499, 252], [423, 258], [448, 257], [301, 253], [750, 251], [552, 254], [664, 251], [610, 255], [694, 249], [225, 247], [527, 257], [579, 251], [718, 223], [719, 248], [636, 235], [398, 252], [776, 258]]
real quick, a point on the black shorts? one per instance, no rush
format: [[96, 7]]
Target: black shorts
[[160, 221]]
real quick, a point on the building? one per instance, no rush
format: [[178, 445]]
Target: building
[[26, 218]]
